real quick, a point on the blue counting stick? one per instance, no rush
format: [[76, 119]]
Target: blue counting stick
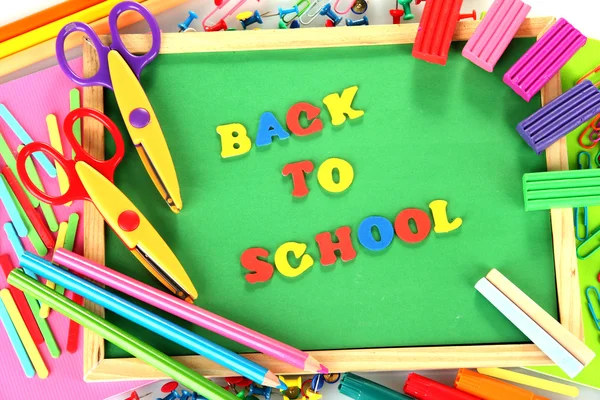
[[14, 240], [264, 391], [328, 11], [26, 139], [365, 234], [14, 338], [285, 11], [11, 209], [363, 21], [253, 19], [186, 24]]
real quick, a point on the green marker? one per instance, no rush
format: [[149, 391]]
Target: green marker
[[359, 388]]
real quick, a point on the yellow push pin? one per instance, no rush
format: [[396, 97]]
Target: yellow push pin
[[244, 15]]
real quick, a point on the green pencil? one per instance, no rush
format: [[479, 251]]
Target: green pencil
[[119, 337]]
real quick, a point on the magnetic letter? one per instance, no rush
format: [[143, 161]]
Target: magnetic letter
[[268, 127], [328, 248], [234, 140], [340, 106], [281, 259], [422, 223], [298, 171], [440, 217], [325, 175], [293, 119], [263, 271], [365, 233]]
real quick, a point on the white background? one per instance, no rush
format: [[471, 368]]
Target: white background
[[584, 14]]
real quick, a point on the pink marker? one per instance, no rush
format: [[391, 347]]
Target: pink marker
[[188, 312], [544, 59], [495, 32]]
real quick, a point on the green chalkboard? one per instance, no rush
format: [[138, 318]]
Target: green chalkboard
[[429, 132]]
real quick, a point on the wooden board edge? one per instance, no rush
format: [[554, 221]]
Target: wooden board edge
[[367, 360], [563, 231], [274, 39], [93, 223], [97, 368]]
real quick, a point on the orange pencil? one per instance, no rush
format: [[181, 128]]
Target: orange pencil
[[44, 17], [487, 388]]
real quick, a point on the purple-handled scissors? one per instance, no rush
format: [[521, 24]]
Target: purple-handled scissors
[[120, 71]]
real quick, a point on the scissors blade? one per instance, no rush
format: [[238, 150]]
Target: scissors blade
[[136, 232], [144, 129]]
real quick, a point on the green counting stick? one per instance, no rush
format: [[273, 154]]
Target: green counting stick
[[46, 208], [11, 162], [44, 327], [73, 222], [119, 337], [75, 102], [561, 189], [32, 234]]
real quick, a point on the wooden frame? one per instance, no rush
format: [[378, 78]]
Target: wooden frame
[[97, 368]]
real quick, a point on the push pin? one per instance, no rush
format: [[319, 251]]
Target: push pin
[[219, 26], [260, 391], [186, 24], [406, 7], [171, 396], [254, 18], [282, 25], [295, 24], [328, 11], [329, 24], [285, 11], [317, 383], [396, 15], [467, 16], [360, 7], [363, 21]]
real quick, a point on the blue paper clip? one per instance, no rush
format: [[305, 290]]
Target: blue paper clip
[[582, 165], [589, 160], [590, 306], [584, 243]]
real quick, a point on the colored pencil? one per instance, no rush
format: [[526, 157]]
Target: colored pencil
[[34, 330], [120, 338], [152, 322], [43, 33], [36, 220], [47, 49], [528, 380], [17, 319], [188, 312], [15, 340], [44, 17]]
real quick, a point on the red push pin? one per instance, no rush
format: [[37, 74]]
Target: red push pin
[[396, 15], [329, 24], [467, 16], [219, 26]]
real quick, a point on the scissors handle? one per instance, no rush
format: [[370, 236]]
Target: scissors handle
[[136, 63], [76, 190], [102, 77], [105, 167]]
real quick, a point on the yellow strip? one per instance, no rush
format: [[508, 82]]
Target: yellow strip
[[17, 319], [63, 181], [532, 381], [51, 30]]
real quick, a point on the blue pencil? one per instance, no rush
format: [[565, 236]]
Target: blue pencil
[[11, 209], [151, 321], [14, 338]]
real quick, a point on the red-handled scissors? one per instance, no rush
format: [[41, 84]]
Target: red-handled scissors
[[93, 180]]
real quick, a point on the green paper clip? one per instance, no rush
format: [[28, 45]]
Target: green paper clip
[[590, 306], [561, 189]]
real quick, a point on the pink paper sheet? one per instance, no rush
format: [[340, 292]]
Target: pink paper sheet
[[30, 99]]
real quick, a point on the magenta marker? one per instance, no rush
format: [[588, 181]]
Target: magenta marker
[[544, 59], [495, 32]]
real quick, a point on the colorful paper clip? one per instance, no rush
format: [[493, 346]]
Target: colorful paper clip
[[591, 306], [587, 76], [220, 4], [582, 165], [584, 243], [593, 136], [347, 10], [303, 6], [315, 4]]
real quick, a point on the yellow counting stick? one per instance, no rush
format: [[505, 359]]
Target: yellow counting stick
[[46, 208], [63, 181], [60, 243], [532, 381], [17, 319]]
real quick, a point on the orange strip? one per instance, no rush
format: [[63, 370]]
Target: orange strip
[[44, 17]]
